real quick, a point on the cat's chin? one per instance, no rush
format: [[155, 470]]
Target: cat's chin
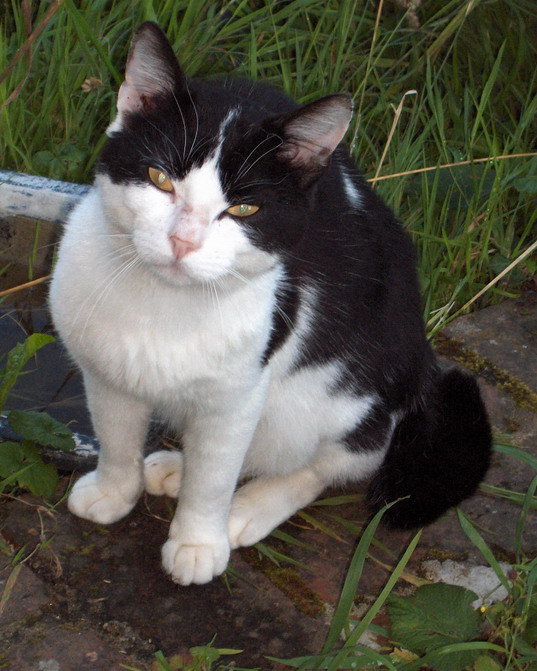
[[179, 274], [246, 266], [174, 274]]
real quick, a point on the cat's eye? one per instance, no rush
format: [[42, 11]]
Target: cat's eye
[[242, 210], [160, 179]]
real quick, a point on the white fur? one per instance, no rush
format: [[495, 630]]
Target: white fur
[[162, 473], [353, 194], [185, 338]]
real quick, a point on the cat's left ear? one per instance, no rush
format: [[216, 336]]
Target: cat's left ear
[[312, 133]]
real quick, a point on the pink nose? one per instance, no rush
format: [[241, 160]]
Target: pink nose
[[182, 247]]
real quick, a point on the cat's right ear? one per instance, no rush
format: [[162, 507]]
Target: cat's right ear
[[152, 71]]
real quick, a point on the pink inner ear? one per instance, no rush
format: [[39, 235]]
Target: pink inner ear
[[306, 152], [128, 99], [315, 131]]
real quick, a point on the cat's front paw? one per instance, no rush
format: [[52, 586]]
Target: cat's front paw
[[93, 501], [195, 563], [162, 473]]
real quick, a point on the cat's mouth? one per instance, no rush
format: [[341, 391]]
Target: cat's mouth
[[174, 271], [207, 264], [192, 268]]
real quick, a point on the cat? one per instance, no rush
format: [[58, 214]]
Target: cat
[[232, 272]]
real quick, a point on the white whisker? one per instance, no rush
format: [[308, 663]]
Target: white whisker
[[184, 127], [244, 172], [197, 126]]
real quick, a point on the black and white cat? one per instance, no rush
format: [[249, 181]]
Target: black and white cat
[[233, 273]]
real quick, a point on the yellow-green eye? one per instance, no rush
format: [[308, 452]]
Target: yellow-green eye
[[242, 210], [160, 179]]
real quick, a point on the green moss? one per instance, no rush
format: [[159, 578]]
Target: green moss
[[441, 555], [292, 585], [102, 530], [287, 581], [454, 349], [86, 550]]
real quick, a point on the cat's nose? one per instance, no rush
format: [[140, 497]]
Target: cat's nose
[[182, 247]]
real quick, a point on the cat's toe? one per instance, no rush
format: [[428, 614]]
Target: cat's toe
[[247, 527], [162, 473], [192, 563], [92, 501], [257, 508]]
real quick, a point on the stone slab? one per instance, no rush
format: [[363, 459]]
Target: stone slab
[[60, 648], [505, 334], [23, 593]]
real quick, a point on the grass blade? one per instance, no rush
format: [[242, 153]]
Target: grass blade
[[362, 627], [479, 542], [350, 585], [528, 503]]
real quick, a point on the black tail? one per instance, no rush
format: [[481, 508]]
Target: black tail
[[438, 455]]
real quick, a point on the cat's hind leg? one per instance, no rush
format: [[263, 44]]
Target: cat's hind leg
[[262, 504], [162, 473]]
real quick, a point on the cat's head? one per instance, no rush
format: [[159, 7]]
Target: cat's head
[[211, 178]]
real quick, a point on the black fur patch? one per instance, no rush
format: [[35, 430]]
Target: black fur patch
[[357, 263], [438, 456]]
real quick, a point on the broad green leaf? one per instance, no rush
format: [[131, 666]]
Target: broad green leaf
[[524, 649], [499, 263], [20, 463], [530, 631], [205, 653], [435, 616], [41, 479], [526, 184], [17, 358], [12, 457], [42, 428], [486, 663]]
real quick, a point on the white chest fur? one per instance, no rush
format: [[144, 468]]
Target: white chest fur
[[148, 337]]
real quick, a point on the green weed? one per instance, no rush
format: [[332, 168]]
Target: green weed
[[456, 159], [198, 658], [473, 107], [21, 464], [436, 627]]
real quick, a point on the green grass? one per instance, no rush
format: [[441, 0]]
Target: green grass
[[506, 633], [470, 63]]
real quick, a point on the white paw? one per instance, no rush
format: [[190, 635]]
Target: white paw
[[256, 509], [195, 563], [162, 473], [92, 501]]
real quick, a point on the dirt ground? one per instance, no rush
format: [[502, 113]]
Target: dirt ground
[[94, 597]]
